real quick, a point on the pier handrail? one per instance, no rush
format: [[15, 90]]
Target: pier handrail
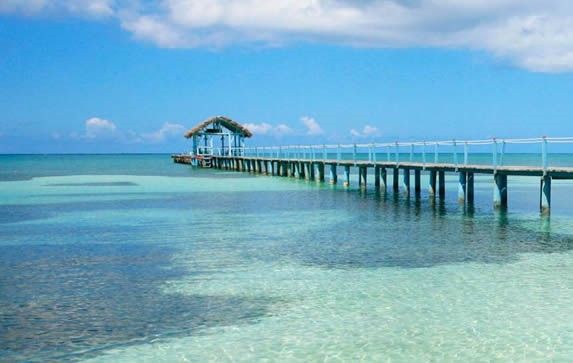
[[394, 150]]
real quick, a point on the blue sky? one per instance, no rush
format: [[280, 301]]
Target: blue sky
[[128, 76]]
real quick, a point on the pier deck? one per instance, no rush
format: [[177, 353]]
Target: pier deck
[[313, 162]]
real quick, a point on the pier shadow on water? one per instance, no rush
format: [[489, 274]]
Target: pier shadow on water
[[70, 302]]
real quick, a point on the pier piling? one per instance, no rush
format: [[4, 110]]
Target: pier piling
[[333, 175], [500, 191], [545, 195], [417, 182], [432, 186], [441, 184], [406, 181]]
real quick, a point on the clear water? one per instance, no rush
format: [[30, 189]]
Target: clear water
[[134, 258]]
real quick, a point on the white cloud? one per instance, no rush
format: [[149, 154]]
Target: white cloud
[[313, 128], [283, 129], [99, 128], [367, 131], [268, 129], [93, 8], [168, 130], [96, 128], [260, 129], [533, 34]]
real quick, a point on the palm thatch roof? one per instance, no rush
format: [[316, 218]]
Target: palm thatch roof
[[222, 120]]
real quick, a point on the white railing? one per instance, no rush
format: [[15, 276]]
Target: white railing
[[424, 152]]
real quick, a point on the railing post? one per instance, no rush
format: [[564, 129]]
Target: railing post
[[388, 153], [466, 153], [544, 161], [502, 152], [411, 152], [455, 153], [354, 153], [494, 153], [424, 154], [257, 151], [435, 153], [396, 156], [324, 156], [338, 153], [369, 153], [374, 152]]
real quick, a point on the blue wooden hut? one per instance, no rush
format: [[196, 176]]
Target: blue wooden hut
[[217, 136]]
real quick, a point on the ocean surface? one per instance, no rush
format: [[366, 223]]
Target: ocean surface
[[119, 258]]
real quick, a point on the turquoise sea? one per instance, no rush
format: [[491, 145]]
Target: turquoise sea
[[119, 258]]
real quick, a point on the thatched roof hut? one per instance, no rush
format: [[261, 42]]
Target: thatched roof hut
[[233, 126]]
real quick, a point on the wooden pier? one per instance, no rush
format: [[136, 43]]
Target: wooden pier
[[316, 170], [313, 162]]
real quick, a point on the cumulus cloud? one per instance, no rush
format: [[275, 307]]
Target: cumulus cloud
[[94, 8], [168, 130], [367, 131], [268, 129], [533, 34], [99, 128], [312, 127]]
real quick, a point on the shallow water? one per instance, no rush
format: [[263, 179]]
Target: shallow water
[[131, 258]]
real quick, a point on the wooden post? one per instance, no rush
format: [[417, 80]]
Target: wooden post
[[462, 187], [500, 191], [377, 177], [346, 176], [395, 180], [301, 171], [362, 176], [417, 182], [311, 168], [406, 180], [441, 184], [470, 188], [333, 175], [320, 167], [545, 195], [383, 179]]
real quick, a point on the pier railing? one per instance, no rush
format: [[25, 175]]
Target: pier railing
[[456, 152]]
